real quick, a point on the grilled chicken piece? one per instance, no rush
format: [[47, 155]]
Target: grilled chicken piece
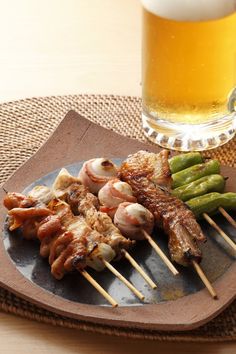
[[79, 246], [86, 204], [149, 176], [18, 200], [67, 240], [102, 223], [25, 212]]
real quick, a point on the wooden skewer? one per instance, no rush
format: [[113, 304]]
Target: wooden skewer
[[160, 253], [123, 279], [98, 287], [139, 269], [221, 232], [204, 279], [228, 217]]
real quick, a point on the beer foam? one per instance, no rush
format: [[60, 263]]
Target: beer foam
[[190, 10]]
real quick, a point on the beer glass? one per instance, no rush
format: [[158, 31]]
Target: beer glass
[[189, 72]]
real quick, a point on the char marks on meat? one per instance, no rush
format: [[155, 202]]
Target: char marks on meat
[[84, 203], [149, 176], [69, 240]]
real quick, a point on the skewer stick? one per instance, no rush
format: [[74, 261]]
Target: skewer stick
[[98, 287], [124, 280], [139, 269], [221, 232], [160, 253], [204, 279], [228, 217]]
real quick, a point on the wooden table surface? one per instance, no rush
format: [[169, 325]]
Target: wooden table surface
[[81, 46]]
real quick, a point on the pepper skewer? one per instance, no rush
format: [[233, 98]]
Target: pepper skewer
[[220, 231], [123, 279], [139, 269], [227, 216], [204, 279], [160, 253], [98, 287]]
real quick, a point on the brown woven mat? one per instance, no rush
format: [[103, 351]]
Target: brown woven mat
[[24, 126]]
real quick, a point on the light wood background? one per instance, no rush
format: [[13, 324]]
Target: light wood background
[[51, 47]]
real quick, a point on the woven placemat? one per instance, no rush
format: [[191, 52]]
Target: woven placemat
[[24, 126]]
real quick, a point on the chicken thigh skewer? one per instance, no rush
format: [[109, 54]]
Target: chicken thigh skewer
[[86, 204], [48, 229], [102, 257], [149, 176], [103, 232], [70, 231]]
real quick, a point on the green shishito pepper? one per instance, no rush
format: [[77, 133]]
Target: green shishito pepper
[[206, 184], [180, 162], [209, 203], [195, 172]]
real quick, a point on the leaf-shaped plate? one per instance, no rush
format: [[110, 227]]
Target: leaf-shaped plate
[[179, 303]]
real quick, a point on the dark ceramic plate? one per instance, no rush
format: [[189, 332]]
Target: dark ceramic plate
[[179, 302], [25, 256]]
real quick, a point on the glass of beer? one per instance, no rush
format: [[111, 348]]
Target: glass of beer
[[189, 73]]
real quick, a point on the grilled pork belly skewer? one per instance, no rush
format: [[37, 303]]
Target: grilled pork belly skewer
[[149, 176], [51, 230], [116, 192], [95, 173], [136, 222], [85, 203]]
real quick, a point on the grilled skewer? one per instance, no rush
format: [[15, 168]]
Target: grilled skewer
[[104, 233], [150, 179], [213, 201], [113, 193], [55, 240], [95, 173], [136, 222], [201, 185], [149, 176], [65, 244], [111, 196], [84, 203]]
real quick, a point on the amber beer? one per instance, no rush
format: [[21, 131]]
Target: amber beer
[[189, 72]]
